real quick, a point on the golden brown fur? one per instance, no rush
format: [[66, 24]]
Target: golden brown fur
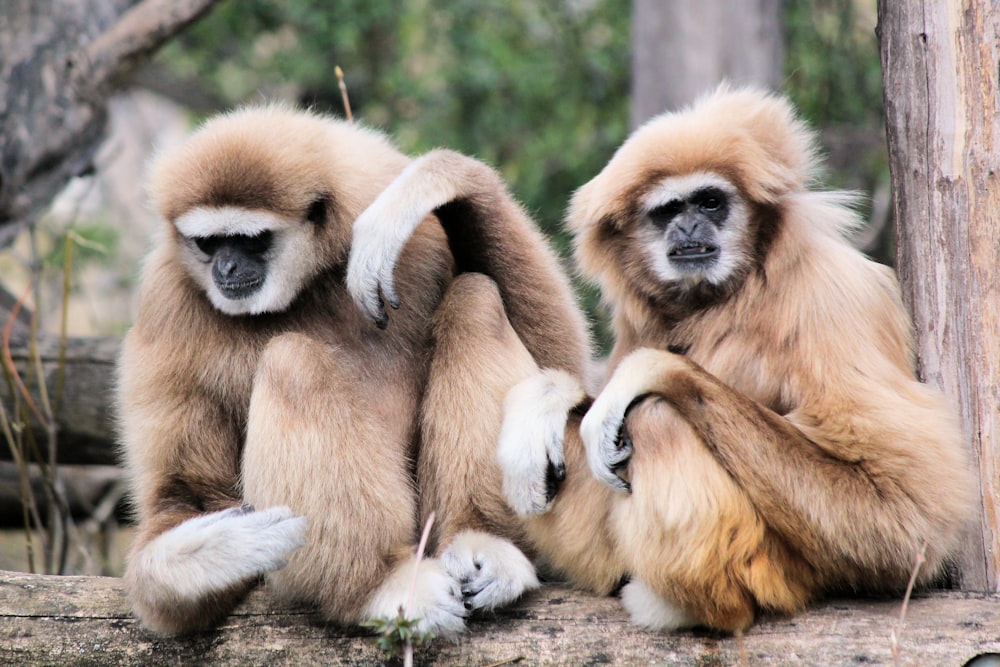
[[785, 449]]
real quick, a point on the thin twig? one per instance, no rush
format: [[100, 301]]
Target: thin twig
[[894, 638], [343, 93], [408, 646]]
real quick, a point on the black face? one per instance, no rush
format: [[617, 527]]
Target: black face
[[691, 227], [239, 263]]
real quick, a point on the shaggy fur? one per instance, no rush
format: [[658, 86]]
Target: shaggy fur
[[766, 425]]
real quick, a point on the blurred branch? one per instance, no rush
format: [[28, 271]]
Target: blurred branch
[[59, 63]]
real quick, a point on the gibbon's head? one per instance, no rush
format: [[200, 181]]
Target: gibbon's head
[[261, 200], [682, 209]]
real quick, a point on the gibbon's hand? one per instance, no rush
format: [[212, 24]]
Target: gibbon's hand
[[530, 447], [427, 593], [605, 438], [212, 552], [491, 571], [382, 230]]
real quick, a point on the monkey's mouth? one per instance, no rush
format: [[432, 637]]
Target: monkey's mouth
[[239, 289], [693, 252]]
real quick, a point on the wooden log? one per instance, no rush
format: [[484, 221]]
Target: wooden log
[[84, 413], [85, 621]]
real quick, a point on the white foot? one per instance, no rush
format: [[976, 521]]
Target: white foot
[[436, 601], [530, 447], [492, 571], [653, 612], [216, 551]]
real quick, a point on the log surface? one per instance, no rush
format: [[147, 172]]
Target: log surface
[[86, 621]]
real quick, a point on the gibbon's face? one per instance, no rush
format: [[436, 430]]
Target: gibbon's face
[[249, 261], [693, 229]]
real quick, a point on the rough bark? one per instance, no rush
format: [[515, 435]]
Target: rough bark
[[941, 65], [85, 621], [59, 61], [682, 48]]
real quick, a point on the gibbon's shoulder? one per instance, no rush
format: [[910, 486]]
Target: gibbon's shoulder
[[266, 150]]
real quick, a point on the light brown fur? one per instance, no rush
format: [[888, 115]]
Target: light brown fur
[[786, 450], [313, 407], [327, 406]]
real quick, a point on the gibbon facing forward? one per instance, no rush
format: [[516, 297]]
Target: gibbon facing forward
[[267, 427], [762, 439]]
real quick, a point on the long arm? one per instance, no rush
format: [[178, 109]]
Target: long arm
[[198, 550], [867, 513], [487, 233]]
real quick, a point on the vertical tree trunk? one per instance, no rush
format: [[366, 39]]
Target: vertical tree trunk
[[941, 64], [681, 48]]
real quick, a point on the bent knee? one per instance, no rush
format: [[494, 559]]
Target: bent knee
[[471, 305]]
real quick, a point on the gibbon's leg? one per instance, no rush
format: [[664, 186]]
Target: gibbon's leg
[[697, 550], [564, 510], [318, 444], [850, 522], [477, 358], [197, 550], [190, 576]]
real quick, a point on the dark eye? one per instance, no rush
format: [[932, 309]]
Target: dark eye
[[316, 212], [257, 245], [710, 199], [207, 244], [664, 213]]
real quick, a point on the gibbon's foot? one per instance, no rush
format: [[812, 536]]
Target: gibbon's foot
[[491, 571], [651, 611], [436, 599], [216, 551], [530, 447]]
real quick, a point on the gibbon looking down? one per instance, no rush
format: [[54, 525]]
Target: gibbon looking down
[[267, 427], [762, 439]]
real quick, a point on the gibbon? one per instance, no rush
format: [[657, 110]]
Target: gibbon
[[268, 429], [762, 439]]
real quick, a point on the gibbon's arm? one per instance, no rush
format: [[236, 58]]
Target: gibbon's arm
[[864, 514], [198, 549], [487, 233]]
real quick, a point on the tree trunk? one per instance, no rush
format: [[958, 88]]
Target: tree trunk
[[682, 48], [941, 62], [59, 62]]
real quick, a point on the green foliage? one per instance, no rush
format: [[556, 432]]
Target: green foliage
[[831, 61], [395, 633]]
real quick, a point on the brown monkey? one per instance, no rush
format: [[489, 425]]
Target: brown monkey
[[762, 439], [268, 428]]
